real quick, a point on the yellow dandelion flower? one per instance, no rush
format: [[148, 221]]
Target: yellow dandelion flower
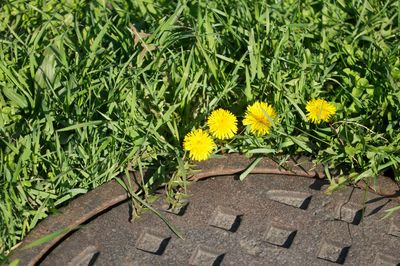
[[222, 124], [199, 144], [259, 117], [319, 110]]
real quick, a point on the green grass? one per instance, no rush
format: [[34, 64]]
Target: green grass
[[89, 86]]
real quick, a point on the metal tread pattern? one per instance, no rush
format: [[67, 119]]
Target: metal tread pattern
[[265, 220]]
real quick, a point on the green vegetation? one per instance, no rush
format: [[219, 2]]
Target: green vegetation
[[87, 87]]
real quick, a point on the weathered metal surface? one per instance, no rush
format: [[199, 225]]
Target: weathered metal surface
[[70, 217], [216, 224], [265, 220]]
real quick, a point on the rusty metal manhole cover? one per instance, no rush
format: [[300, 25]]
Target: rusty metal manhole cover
[[268, 219]]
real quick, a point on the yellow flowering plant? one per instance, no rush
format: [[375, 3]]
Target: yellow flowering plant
[[319, 111], [199, 144], [259, 118], [222, 124]]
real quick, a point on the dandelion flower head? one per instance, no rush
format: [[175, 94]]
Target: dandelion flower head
[[222, 124], [199, 144], [259, 117], [319, 110]]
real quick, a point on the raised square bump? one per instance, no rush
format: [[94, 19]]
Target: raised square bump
[[226, 219], [291, 198], [180, 209], [385, 260], [350, 212], [152, 243], [280, 235], [333, 251], [87, 257], [394, 228], [206, 256]]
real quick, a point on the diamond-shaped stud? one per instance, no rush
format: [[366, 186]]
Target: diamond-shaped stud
[[226, 219], [152, 243], [206, 256], [178, 210], [350, 212], [333, 251], [251, 246], [291, 198], [280, 235], [86, 257], [385, 260], [394, 228]]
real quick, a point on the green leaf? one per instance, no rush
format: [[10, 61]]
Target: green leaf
[[80, 125], [262, 151], [390, 212], [47, 70], [14, 263], [249, 169], [15, 98], [302, 144], [50, 237], [136, 197]]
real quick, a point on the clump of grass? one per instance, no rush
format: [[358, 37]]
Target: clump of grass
[[87, 87]]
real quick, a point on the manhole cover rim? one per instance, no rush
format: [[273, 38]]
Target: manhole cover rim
[[111, 194]]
